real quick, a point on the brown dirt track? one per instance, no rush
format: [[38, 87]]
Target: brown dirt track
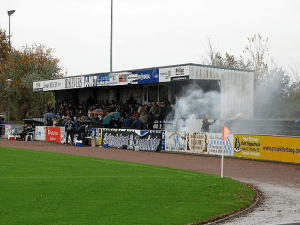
[[252, 172]]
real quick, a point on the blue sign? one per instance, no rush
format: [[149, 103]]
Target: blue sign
[[103, 79], [148, 76]]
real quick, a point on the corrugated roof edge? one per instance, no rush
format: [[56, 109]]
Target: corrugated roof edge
[[149, 68]]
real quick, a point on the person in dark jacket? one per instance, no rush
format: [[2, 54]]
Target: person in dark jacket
[[114, 123], [69, 128], [150, 120], [206, 124]]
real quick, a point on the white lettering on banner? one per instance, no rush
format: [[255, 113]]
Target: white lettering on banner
[[144, 76], [90, 81], [130, 140], [54, 133], [132, 79]]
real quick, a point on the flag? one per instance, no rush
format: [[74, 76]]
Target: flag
[[225, 132]]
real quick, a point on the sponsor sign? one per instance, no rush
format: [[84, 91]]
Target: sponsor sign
[[90, 81], [179, 78], [99, 136], [114, 79], [148, 76], [103, 80], [74, 82], [40, 133], [132, 78], [247, 146], [215, 144], [284, 149], [53, 134], [123, 78], [173, 74], [48, 85]]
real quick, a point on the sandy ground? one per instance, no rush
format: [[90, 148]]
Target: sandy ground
[[280, 183]]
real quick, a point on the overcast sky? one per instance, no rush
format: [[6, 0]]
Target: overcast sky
[[151, 33]]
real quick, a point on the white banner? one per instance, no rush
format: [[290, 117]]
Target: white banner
[[215, 144], [170, 73], [40, 133]]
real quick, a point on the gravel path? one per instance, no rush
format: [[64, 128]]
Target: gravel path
[[280, 183]]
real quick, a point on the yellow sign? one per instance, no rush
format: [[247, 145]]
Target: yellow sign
[[247, 146], [99, 136], [284, 149]]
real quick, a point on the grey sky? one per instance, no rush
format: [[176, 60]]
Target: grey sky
[[150, 33]]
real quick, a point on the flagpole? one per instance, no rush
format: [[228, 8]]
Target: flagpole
[[225, 132], [222, 160]]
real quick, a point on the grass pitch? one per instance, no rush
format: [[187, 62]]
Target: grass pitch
[[50, 188]]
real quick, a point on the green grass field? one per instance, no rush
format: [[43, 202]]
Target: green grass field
[[49, 188]]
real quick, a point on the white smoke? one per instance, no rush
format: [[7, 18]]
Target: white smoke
[[192, 106]]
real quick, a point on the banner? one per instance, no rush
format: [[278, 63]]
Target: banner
[[99, 136], [215, 144], [128, 138], [148, 76], [197, 142], [247, 146], [53, 134], [40, 133], [176, 141], [103, 80], [174, 73], [284, 149]]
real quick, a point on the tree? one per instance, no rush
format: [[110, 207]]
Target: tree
[[255, 55], [215, 58], [23, 67]]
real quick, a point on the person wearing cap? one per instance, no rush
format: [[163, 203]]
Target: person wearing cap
[[69, 128]]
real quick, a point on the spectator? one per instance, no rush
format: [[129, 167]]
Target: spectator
[[114, 123], [69, 128], [206, 124], [137, 124], [150, 120], [161, 115]]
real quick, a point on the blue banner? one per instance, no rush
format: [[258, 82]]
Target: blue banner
[[148, 76], [103, 79]]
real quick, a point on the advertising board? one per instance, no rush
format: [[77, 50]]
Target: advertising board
[[173, 73], [103, 80], [274, 148], [40, 133], [53, 134], [284, 149], [215, 144], [247, 146], [49, 85], [148, 76]]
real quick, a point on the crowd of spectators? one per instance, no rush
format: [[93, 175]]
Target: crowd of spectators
[[132, 114]]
